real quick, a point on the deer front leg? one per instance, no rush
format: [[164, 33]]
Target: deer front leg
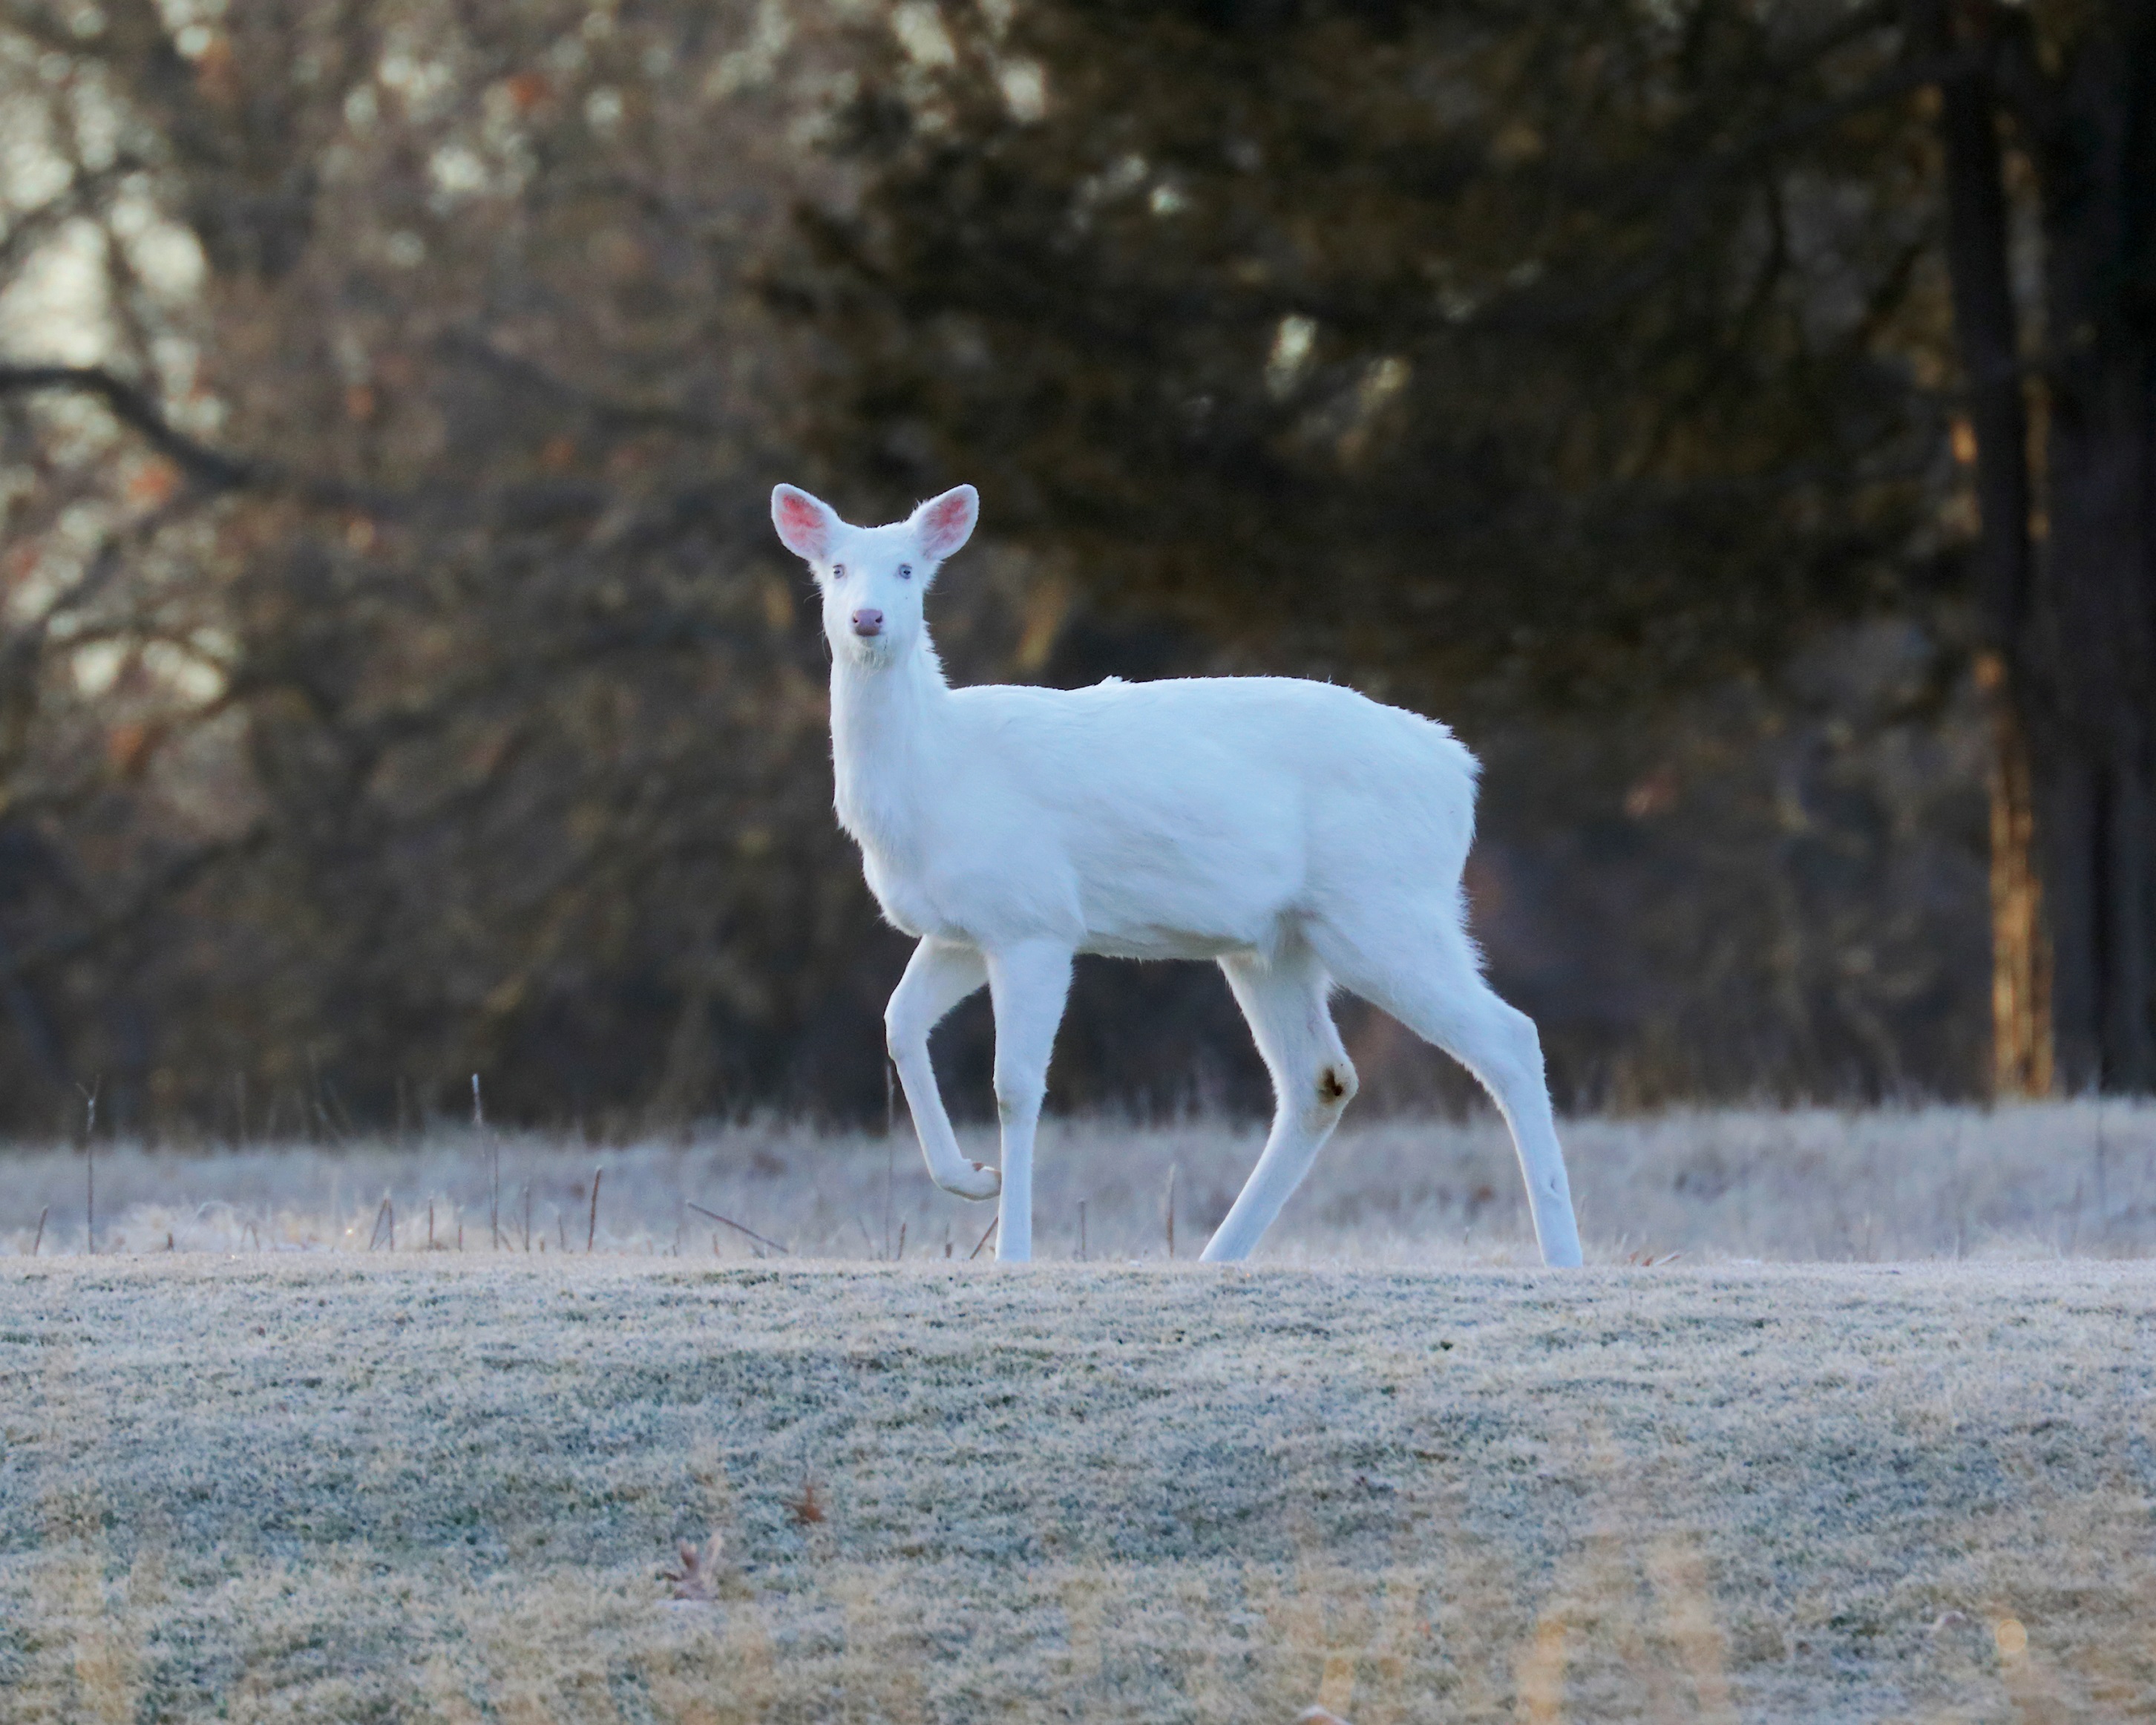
[[940, 974], [1028, 983]]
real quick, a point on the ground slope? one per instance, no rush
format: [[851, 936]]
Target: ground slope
[[249, 1487]]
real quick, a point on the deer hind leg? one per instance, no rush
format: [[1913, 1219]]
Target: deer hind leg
[[1424, 972], [1284, 998], [1029, 983], [938, 976]]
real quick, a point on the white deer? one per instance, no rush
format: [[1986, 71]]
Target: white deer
[[1297, 834]]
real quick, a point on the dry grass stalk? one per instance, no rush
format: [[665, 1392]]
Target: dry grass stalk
[[592, 1229], [698, 1577], [981, 1245], [729, 1222], [90, 1167], [40, 1240], [1680, 1582], [494, 1165]]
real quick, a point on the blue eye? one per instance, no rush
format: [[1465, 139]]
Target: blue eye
[[905, 571], [837, 571]]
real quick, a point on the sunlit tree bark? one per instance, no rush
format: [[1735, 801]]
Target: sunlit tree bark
[[2067, 583]]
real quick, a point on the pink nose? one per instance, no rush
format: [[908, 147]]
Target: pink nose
[[868, 621]]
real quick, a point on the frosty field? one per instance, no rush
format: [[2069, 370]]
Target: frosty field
[[328, 1483], [431, 1490]]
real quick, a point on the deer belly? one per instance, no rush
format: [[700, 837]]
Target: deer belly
[[1185, 899], [1163, 943]]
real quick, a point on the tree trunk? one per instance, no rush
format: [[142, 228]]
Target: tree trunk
[[2021, 1047], [2087, 653], [2068, 592], [1987, 333]]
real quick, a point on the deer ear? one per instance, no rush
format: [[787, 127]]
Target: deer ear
[[806, 524], [943, 524]]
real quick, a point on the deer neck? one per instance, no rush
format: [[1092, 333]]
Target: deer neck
[[885, 724]]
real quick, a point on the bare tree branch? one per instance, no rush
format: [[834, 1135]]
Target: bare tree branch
[[82, 195], [210, 469]]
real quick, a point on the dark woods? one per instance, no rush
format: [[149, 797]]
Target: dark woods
[[1735, 418]]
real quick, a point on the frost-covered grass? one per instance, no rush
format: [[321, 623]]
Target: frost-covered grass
[[342, 1488], [2065, 1179], [277, 1472]]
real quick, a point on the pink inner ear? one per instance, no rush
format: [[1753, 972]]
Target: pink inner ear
[[944, 525], [803, 524]]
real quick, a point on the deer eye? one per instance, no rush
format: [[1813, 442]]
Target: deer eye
[[905, 571], [837, 571]]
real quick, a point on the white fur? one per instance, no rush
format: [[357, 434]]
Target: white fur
[[1298, 833]]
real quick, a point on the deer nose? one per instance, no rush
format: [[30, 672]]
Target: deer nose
[[868, 621]]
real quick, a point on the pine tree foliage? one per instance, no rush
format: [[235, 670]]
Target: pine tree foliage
[[1563, 351]]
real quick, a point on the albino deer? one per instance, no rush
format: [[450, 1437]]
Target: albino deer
[[1297, 834]]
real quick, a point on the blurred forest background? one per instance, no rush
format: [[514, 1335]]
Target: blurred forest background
[[1734, 417]]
